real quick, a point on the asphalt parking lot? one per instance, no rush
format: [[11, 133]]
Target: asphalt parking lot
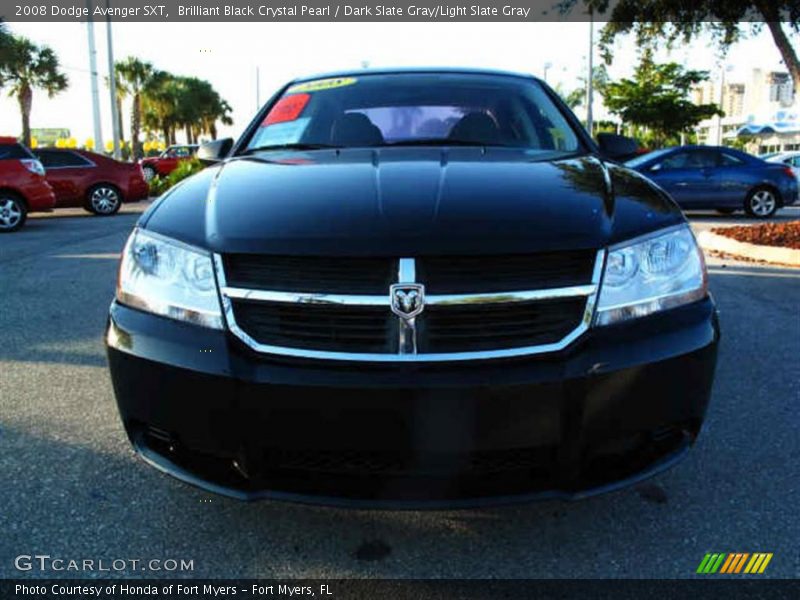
[[71, 487]]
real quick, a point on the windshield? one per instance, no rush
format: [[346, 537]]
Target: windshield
[[416, 109], [640, 160]]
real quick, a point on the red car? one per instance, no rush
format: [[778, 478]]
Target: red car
[[93, 181], [168, 161], [23, 187]]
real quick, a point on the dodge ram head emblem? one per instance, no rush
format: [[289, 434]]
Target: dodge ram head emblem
[[408, 299]]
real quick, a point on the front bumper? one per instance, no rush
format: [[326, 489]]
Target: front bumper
[[622, 403]]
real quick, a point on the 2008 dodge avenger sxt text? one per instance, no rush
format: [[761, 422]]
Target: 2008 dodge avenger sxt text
[[412, 288]]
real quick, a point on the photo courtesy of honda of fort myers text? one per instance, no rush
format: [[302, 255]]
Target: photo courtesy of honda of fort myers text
[[397, 300]]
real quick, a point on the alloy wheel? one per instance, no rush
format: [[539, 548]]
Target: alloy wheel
[[105, 200], [10, 213], [763, 203]]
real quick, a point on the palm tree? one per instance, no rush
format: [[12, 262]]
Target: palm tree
[[219, 110], [28, 66], [200, 107], [5, 43], [5, 39], [135, 75], [172, 103], [161, 98]]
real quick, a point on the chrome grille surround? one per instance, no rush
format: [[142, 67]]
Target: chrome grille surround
[[406, 350]]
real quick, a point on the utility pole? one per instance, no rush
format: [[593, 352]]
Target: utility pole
[[590, 78], [112, 85], [547, 66], [98, 130]]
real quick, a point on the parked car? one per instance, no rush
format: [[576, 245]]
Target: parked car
[[23, 187], [97, 183], [792, 159], [412, 288], [167, 161], [701, 177]]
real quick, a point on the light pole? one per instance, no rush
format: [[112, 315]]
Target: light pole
[[112, 84], [98, 129], [547, 67], [589, 78], [725, 68]]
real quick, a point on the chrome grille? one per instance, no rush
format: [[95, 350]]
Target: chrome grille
[[316, 308], [504, 273], [473, 327], [309, 273], [334, 327]]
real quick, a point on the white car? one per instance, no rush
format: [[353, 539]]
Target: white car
[[788, 158]]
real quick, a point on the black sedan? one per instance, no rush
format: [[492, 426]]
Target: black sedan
[[721, 178], [412, 288]]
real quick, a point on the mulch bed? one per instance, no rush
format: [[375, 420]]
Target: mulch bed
[[784, 235]]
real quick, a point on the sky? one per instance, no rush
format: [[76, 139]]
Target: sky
[[229, 54]]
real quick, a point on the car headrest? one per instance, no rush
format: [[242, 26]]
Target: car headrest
[[355, 129], [475, 127]]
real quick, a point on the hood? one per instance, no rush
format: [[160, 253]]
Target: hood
[[411, 202]]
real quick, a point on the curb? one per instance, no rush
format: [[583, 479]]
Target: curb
[[770, 254]]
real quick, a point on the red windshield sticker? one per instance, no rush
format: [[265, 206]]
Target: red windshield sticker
[[288, 108]]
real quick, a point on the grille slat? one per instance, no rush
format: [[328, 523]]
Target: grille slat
[[310, 274], [472, 328], [317, 327], [469, 274], [440, 329]]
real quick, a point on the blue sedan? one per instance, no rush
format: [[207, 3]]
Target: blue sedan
[[702, 177]]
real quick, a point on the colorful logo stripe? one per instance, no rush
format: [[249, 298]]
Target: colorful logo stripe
[[734, 562]]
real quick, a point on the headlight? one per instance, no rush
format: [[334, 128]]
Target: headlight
[[169, 278], [653, 273]]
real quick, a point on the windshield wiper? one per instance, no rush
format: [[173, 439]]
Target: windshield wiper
[[296, 146]]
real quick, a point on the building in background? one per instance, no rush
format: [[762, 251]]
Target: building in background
[[47, 136], [760, 112]]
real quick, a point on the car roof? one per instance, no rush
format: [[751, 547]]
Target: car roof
[[412, 70], [8, 139]]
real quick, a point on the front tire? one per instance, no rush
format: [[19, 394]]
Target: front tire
[[103, 200], [761, 203], [13, 213]]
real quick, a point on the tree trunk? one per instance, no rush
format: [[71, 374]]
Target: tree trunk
[[120, 119], [772, 15], [136, 120], [25, 98], [188, 130], [213, 131]]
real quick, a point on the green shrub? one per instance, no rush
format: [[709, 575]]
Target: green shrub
[[186, 168]]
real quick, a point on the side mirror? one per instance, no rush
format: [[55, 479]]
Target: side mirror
[[617, 147], [213, 152]]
